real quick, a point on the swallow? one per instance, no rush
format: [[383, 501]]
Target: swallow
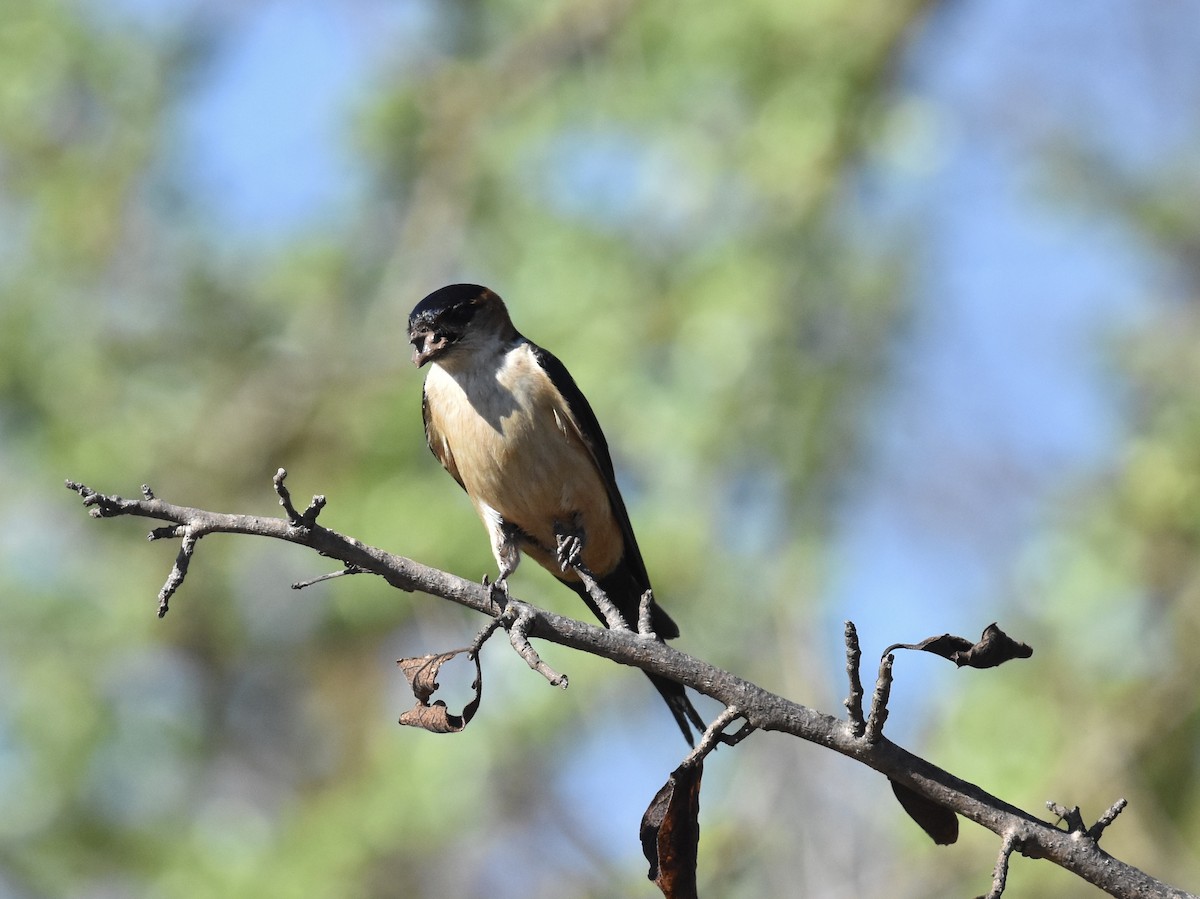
[[505, 418]]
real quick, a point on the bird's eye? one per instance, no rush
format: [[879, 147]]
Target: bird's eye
[[460, 316]]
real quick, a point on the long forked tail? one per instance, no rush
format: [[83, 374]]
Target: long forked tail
[[681, 707], [625, 592]]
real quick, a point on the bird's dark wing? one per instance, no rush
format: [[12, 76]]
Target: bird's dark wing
[[593, 437], [437, 442], [626, 584]]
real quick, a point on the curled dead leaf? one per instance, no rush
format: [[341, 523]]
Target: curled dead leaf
[[436, 718], [422, 672], [671, 833], [993, 648]]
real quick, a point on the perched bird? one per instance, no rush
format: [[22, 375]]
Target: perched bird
[[505, 418]]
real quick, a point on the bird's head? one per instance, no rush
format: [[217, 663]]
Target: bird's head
[[456, 319]]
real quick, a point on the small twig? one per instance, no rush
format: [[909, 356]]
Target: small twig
[[879, 712], [854, 702], [285, 498], [612, 617], [645, 607], [738, 735], [99, 505], [1069, 816], [1073, 818], [349, 569], [1000, 872], [1097, 829], [309, 515], [174, 530], [520, 617], [714, 736], [147, 493], [306, 519], [178, 571], [482, 637]]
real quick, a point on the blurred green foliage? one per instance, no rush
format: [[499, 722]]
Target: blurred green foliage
[[246, 745], [728, 334]]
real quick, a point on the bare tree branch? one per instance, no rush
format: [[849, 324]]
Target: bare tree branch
[[1075, 848]]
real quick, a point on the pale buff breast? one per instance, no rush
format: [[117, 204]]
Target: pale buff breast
[[518, 450]]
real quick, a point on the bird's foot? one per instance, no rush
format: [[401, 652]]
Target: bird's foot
[[498, 590], [569, 550]]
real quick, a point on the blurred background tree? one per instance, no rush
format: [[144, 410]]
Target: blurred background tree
[[887, 309]]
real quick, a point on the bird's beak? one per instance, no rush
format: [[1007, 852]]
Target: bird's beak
[[426, 345]]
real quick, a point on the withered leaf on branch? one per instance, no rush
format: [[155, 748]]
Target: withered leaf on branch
[[993, 648], [938, 821], [421, 673], [671, 833]]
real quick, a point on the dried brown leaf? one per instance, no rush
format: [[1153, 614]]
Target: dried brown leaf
[[993, 648], [671, 833], [936, 820], [422, 672], [436, 718], [947, 646]]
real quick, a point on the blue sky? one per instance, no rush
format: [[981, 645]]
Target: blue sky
[[263, 132], [1004, 396]]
